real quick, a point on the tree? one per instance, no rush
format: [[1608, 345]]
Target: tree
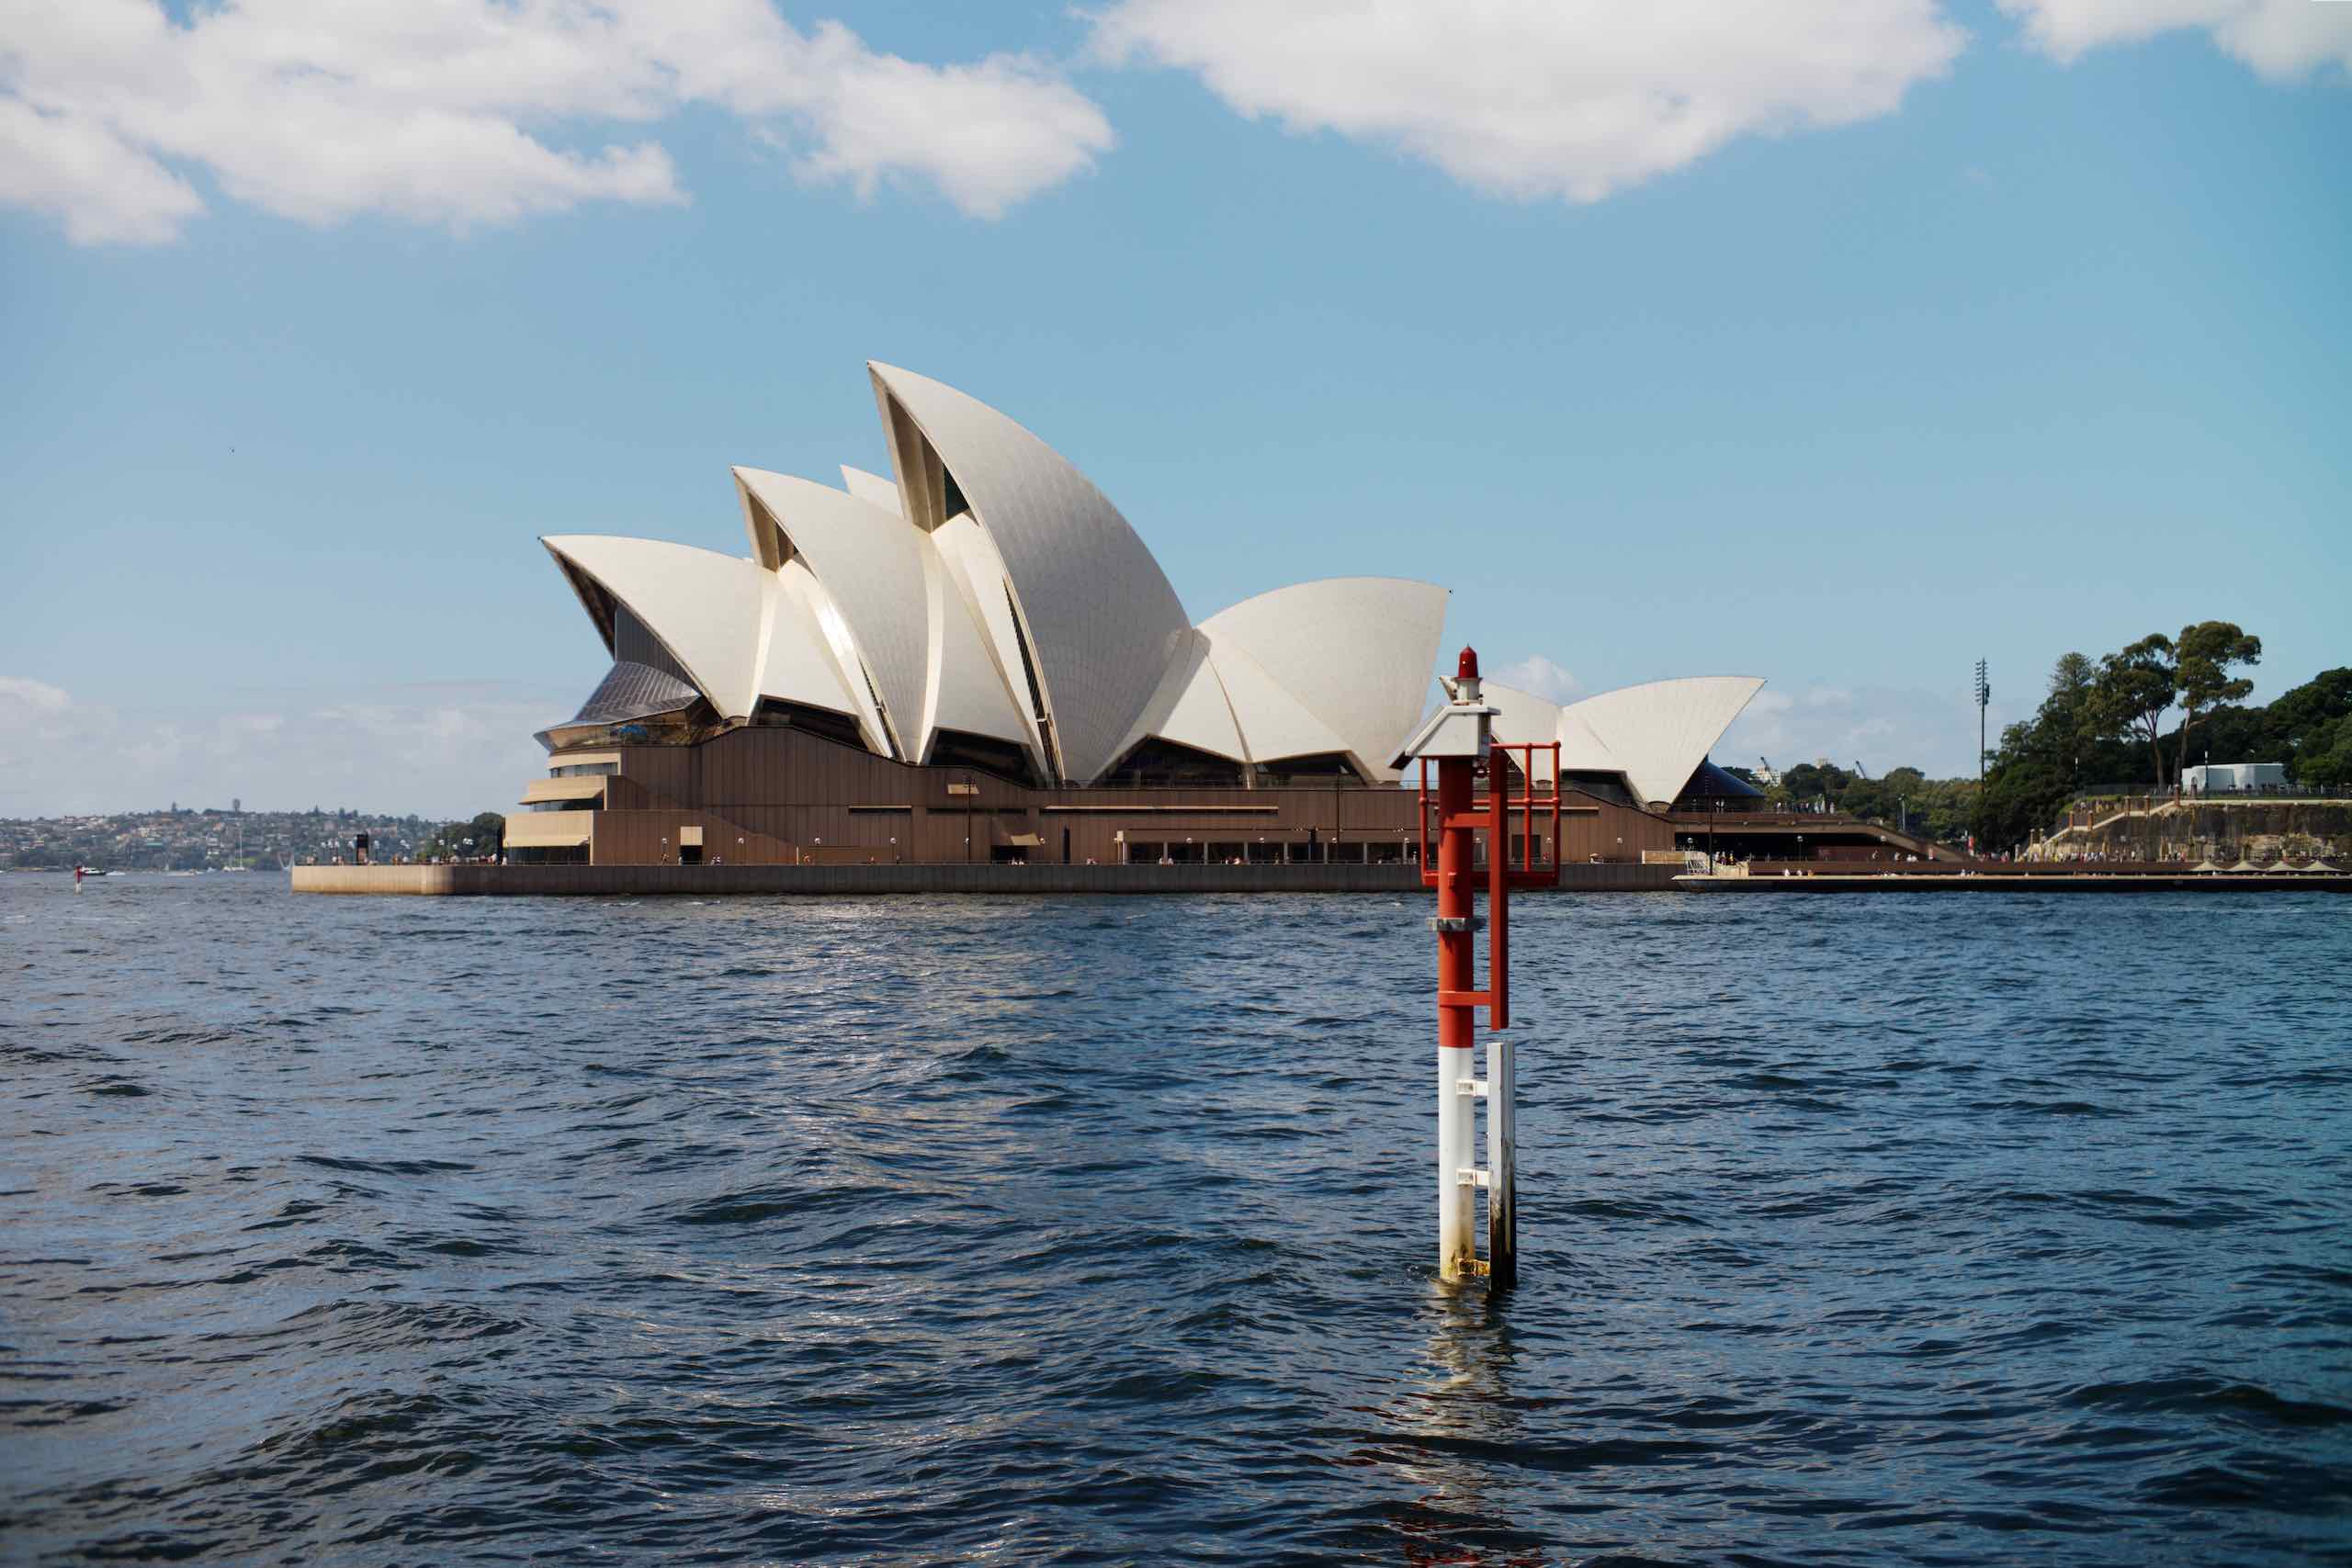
[[2072, 677], [2205, 655], [2134, 688], [2024, 786], [2315, 704], [2072, 722], [488, 833], [1809, 782], [2323, 760]]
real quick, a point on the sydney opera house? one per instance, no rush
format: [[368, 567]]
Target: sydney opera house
[[977, 658]]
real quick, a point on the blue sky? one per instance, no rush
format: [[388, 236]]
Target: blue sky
[[1896, 339]]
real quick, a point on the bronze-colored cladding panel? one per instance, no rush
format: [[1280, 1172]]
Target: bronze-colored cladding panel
[[832, 804], [654, 837]]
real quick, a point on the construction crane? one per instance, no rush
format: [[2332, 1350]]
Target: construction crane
[[1860, 772], [1764, 774]]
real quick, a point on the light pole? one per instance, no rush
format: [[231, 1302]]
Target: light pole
[[1983, 695]]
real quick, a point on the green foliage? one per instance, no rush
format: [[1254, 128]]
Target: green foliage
[[1808, 782], [2134, 688], [2323, 760], [1907, 799], [2099, 727], [485, 835], [2077, 740], [2279, 733], [2301, 714], [2206, 652]]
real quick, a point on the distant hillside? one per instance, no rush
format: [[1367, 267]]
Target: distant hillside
[[199, 840]]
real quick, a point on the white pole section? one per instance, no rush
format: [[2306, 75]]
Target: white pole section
[[1457, 1153]]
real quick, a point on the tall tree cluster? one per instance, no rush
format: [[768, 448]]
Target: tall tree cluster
[[2102, 727], [1901, 797]]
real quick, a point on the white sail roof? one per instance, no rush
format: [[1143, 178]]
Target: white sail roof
[[708, 610], [991, 582], [1582, 750], [1191, 707], [1274, 723], [882, 492], [870, 563], [974, 570], [1658, 733], [797, 660], [1355, 651], [963, 687], [1101, 621]]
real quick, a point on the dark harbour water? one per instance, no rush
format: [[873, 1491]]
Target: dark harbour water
[[1875, 1230]]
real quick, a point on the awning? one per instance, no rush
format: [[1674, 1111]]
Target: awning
[[1027, 840], [547, 831], [589, 788]]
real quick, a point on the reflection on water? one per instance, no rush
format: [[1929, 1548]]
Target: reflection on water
[[1458, 1430], [1871, 1231]]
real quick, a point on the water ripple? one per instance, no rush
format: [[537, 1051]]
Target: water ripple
[[1866, 1231]]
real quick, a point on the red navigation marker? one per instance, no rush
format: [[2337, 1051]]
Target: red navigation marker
[[1460, 740]]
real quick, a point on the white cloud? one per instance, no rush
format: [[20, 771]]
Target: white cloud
[[1541, 98], [1539, 675], [459, 112], [440, 751], [2281, 40], [1881, 728], [37, 696], [987, 134]]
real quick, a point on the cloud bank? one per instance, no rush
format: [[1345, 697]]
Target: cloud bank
[[2281, 40], [438, 750], [1539, 676], [124, 124], [465, 112], [1882, 727], [1545, 98]]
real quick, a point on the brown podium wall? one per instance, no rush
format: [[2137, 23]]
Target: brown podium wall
[[793, 796]]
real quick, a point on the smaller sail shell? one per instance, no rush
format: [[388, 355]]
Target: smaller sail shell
[[870, 563], [1191, 707], [1354, 651], [707, 609], [1656, 733], [1273, 724]]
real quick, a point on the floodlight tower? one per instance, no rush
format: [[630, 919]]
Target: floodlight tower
[[1983, 695]]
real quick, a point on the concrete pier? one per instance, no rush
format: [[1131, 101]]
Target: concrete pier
[[2009, 881], [707, 881]]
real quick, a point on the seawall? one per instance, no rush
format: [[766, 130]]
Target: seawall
[[2025, 882], [706, 881]]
